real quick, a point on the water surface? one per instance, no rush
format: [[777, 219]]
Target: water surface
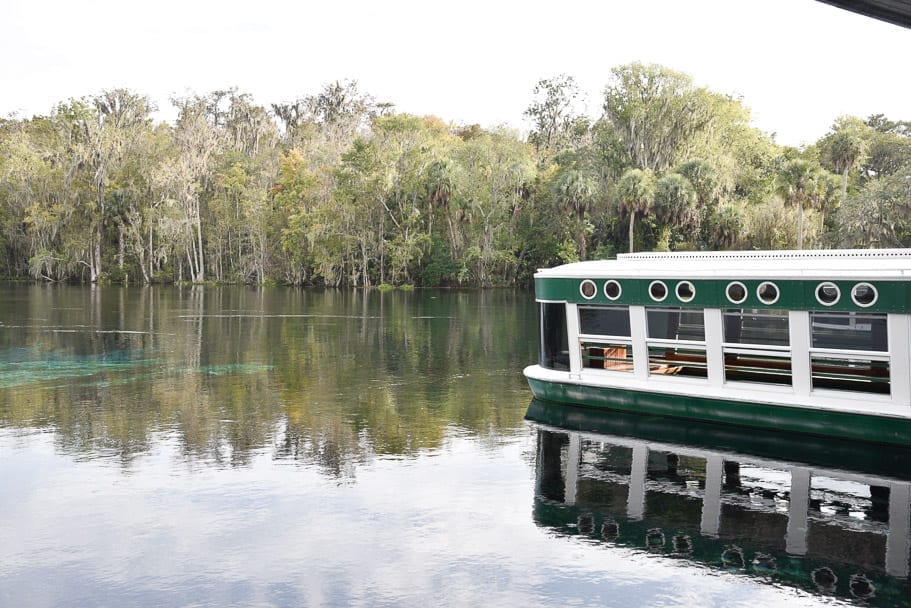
[[239, 447]]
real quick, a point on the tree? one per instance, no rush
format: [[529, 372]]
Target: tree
[[845, 147], [637, 196], [827, 196], [704, 179], [723, 227], [796, 183], [553, 115], [575, 192], [675, 205], [879, 215], [889, 150], [656, 113], [496, 169], [183, 179]]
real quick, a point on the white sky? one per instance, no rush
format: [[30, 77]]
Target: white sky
[[798, 64]]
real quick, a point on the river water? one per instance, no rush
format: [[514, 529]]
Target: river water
[[170, 446]]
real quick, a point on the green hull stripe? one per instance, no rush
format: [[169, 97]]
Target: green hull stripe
[[893, 296], [824, 423]]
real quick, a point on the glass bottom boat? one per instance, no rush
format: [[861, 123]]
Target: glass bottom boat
[[808, 341]]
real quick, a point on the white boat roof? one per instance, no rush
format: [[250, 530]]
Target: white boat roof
[[866, 264]]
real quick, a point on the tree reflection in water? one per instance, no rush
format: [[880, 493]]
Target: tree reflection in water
[[332, 378]]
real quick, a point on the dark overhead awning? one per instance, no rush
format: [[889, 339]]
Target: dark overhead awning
[[892, 11]]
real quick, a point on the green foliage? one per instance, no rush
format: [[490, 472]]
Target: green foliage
[[637, 196], [337, 189], [676, 208], [656, 113], [441, 270]]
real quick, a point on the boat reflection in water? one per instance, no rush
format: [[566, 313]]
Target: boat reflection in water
[[827, 516]]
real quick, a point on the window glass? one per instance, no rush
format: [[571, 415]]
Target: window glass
[[827, 293], [766, 327], [762, 369], [849, 331], [675, 324], [864, 294], [605, 355], [767, 292], [604, 320], [736, 292], [612, 290], [861, 375], [685, 291], [665, 361], [554, 341], [587, 289], [657, 290]]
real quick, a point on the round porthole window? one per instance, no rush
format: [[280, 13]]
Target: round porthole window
[[767, 292], [657, 290], [827, 293], [685, 291], [864, 295], [588, 289], [736, 292], [612, 290]]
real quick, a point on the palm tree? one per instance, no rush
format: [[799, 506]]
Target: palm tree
[[675, 204], [827, 195], [575, 194], [704, 178], [724, 226], [795, 183], [637, 196], [844, 148]]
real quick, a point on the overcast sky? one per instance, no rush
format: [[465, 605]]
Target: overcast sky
[[798, 64]]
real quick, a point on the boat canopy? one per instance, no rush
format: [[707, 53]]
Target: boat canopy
[[876, 280]]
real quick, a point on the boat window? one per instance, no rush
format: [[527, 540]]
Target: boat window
[[752, 326], [554, 341], [612, 290], [767, 292], [850, 331], [676, 342], [827, 293], [864, 295], [607, 355], [604, 320], [756, 346], [657, 290], [666, 361], [675, 324], [605, 342], [753, 367], [685, 291], [859, 374], [588, 289], [736, 292], [845, 349]]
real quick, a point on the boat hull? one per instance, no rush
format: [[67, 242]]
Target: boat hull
[[814, 421]]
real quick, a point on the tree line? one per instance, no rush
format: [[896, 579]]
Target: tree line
[[337, 188]]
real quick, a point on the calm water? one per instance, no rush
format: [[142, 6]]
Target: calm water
[[237, 447]]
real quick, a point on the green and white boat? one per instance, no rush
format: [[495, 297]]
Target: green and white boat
[[814, 342]]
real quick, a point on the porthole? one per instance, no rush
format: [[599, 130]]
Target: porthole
[[864, 295], [736, 292], [685, 291], [588, 289], [767, 292], [827, 293], [657, 290], [612, 290]]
